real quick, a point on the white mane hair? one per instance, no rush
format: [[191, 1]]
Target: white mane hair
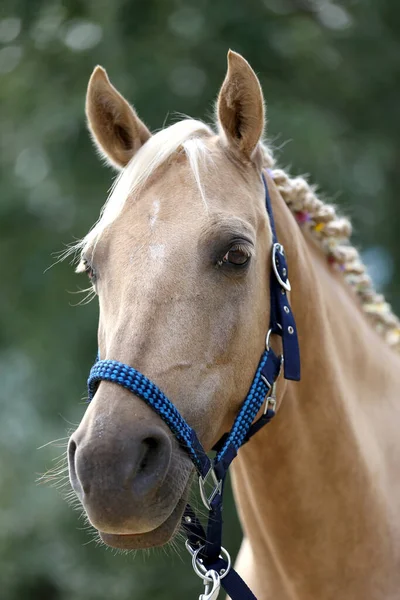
[[187, 134]]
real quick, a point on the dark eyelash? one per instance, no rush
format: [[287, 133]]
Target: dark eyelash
[[89, 270], [244, 249]]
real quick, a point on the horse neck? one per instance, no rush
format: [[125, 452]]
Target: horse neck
[[313, 488]]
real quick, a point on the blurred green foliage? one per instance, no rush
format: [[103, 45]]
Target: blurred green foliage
[[330, 73]]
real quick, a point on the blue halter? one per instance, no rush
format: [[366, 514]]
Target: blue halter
[[210, 561]]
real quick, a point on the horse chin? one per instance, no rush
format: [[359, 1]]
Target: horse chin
[[151, 539]]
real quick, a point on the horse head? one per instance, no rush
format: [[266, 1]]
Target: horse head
[[178, 260]]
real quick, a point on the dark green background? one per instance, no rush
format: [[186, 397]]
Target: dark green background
[[331, 77]]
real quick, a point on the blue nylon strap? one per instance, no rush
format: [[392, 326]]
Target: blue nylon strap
[[235, 587], [268, 206], [193, 528], [213, 544], [281, 319]]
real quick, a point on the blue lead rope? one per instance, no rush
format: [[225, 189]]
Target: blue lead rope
[[210, 560]]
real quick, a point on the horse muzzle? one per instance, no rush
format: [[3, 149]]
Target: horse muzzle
[[129, 474]]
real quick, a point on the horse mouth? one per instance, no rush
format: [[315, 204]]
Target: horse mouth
[[157, 537]]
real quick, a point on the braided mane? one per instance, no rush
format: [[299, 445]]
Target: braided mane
[[332, 233]]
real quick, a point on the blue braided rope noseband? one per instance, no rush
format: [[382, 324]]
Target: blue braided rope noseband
[[205, 547]]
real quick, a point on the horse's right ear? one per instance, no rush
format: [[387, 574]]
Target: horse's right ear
[[114, 125]]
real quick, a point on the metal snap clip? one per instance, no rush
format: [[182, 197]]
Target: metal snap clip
[[211, 588]]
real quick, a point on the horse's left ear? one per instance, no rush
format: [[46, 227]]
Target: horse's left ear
[[240, 107], [115, 127]]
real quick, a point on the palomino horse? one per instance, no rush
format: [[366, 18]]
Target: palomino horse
[[180, 260]]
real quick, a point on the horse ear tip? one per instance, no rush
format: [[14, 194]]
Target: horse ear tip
[[232, 55], [99, 73], [236, 60]]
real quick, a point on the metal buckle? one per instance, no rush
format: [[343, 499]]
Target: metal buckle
[[270, 398], [279, 248], [217, 488]]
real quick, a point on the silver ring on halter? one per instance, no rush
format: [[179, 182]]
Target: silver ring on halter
[[201, 570], [267, 337]]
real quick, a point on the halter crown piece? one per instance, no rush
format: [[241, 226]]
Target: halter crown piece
[[211, 562]]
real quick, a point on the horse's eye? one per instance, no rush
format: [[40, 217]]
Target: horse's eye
[[238, 255], [90, 272]]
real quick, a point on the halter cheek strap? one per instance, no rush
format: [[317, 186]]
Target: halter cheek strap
[[209, 559]]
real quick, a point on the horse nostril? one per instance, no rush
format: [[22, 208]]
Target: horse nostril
[[73, 477], [152, 464], [150, 451], [71, 452]]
